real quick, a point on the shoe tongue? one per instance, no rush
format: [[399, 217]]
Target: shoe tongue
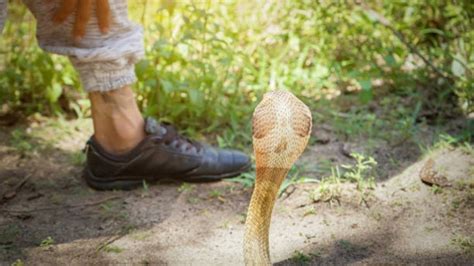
[[166, 132], [153, 128]]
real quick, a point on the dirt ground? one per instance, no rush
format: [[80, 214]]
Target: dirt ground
[[49, 216]]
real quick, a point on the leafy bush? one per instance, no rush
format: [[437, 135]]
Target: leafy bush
[[31, 80]]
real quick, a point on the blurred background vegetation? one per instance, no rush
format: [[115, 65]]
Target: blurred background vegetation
[[209, 62]]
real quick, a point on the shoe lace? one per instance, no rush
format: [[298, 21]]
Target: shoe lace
[[172, 136]]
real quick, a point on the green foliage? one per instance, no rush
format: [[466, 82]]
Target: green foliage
[[111, 249], [18, 262], [186, 187], [447, 141], [293, 178], [361, 173], [47, 242], [465, 243], [246, 179], [329, 189], [207, 63], [300, 258], [21, 141], [31, 80]]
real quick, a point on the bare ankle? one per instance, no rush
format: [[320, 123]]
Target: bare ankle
[[118, 124]]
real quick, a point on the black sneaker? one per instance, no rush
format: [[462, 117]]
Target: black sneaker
[[162, 155]]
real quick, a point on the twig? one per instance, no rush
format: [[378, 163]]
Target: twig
[[385, 22], [109, 241], [15, 190], [20, 185], [62, 207], [307, 204], [289, 193]]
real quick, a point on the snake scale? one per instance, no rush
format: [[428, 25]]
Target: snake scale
[[281, 128]]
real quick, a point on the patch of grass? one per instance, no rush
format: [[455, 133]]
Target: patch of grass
[[21, 141], [456, 203], [145, 185], [467, 148], [145, 191], [112, 249], [376, 215], [462, 184], [465, 243], [193, 200], [215, 193], [310, 211], [78, 158], [9, 232], [329, 189], [185, 187], [47, 242], [18, 262], [246, 179], [436, 189], [140, 235], [112, 210], [294, 178], [347, 245], [361, 173], [446, 141], [350, 124], [243, 217], [300, 258], [394, 122]]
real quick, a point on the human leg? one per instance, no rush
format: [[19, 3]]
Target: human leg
[[118, 124], [105, 63], [125, 149]]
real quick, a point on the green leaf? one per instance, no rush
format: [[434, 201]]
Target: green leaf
[[67, 80], [54, 92], [366, 94], [166, 85], [390, 60]]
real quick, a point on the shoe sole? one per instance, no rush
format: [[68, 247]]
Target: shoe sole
[[128, 182]]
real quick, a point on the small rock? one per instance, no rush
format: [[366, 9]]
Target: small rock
[[430, 176]]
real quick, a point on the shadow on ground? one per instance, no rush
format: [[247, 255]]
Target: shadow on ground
[[49, 215]]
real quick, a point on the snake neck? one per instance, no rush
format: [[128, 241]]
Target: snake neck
[[257, 224]]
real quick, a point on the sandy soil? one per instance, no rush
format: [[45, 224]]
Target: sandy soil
[[404, 221]]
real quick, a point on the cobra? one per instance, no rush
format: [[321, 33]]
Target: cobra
[[281, 128]]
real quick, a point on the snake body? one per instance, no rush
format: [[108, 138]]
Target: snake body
[[281, 129]]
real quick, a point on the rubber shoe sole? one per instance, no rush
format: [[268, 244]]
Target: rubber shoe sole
[[130, 182]]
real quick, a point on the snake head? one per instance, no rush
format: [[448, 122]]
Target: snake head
[[281, 128]]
